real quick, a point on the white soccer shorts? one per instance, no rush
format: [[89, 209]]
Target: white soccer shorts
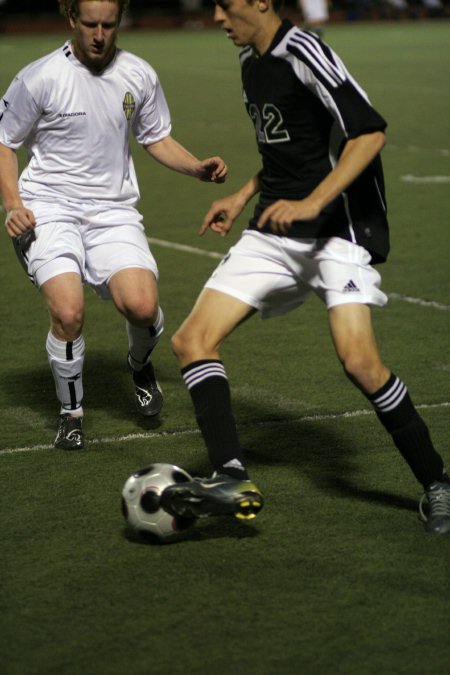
[[276, 274], [92, 240]]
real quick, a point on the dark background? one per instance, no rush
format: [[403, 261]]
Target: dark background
[[34, 7]]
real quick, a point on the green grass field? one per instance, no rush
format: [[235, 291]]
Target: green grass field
[[337, 575]]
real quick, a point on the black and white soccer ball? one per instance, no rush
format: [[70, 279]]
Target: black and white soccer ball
[[141, 502]]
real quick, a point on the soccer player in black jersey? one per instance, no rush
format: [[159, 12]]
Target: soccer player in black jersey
[[318, 226]]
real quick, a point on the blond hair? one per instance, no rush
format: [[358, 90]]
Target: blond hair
[[71, 9]]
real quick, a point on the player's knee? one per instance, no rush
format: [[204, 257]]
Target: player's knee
[[67, 322], [187, 345], [141, 311], [178, 344], [354, 366], [367, 373]]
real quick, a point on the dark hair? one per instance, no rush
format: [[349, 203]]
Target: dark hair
[[70, 8]]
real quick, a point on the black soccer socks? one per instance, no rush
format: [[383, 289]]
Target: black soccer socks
[[208, 386], [410, 434]]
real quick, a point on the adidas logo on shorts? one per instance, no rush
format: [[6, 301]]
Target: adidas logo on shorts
[[350, 287]]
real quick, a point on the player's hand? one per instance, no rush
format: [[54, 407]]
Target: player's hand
[[19, 220], [212, 170], [222, 214], [284, 212]]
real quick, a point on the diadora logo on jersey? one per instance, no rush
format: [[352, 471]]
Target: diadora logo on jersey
[[351, 287], [129, 105], [74, 114]]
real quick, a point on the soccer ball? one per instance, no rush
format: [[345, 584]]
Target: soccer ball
[[140, 502]]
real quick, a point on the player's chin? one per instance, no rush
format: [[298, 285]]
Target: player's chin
[[96, 61], [235, 39]]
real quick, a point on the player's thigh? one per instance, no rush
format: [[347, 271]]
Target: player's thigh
[[214, 316], [349, 285], [351, 329], [64, 296], [354, 340]]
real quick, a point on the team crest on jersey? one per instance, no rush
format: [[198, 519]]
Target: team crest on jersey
[[129, 105]]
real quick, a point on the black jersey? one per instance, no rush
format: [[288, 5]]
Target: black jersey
[[305, 105]]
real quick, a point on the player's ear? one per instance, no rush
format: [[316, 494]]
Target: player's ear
[[72, 20], [264, 5]]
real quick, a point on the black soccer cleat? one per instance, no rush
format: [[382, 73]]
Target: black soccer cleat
[[70, 433], [438, 518], [217, 496], [147, 394]]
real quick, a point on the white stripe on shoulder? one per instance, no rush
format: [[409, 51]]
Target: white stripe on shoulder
[[313, 53], [308, 49], [312, 48]]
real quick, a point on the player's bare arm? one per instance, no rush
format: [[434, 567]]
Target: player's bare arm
[[357, 154], [223, 212], [174, 156], [18, 218]]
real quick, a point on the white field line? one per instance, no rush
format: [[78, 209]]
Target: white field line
[[424, 179], [419, 301], [213, 254], [186, 249], [414, 149], [246, 425]]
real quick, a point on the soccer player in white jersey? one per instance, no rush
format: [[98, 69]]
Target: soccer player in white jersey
[[72, 214], [318, 226]]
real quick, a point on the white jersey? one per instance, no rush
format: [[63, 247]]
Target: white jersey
[[75, 125]]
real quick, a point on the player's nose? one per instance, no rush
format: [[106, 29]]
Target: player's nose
[[218, 14], [98, 33]]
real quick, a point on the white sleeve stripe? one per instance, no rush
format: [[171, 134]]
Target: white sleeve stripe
[[315, 66], [314, 54], [307, 76], [314, 47]]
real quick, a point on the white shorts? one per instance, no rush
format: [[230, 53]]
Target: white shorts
[[276, 274], [92, 240]]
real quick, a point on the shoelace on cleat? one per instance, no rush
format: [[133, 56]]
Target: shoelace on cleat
[[439, 502]]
